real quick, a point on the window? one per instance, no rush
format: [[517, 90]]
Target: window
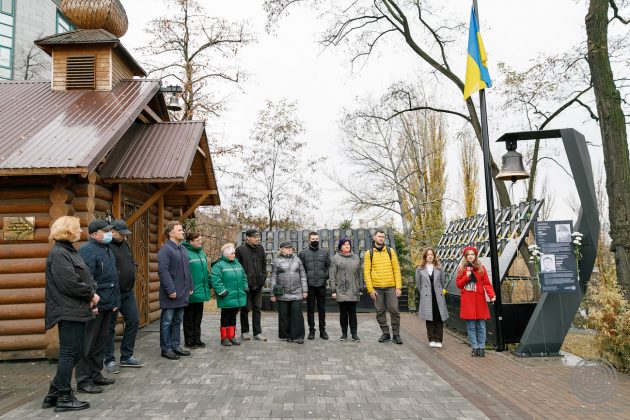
[[63, 24], [7, 7], [6, 39]]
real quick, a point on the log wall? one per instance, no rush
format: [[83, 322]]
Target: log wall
[[23, 263]]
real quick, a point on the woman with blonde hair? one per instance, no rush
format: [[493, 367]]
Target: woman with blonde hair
[[70, 303], [473, 282], [230, 286], [430, 283]]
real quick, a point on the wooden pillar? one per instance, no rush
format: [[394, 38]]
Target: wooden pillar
[[160, 221], [117, 201]]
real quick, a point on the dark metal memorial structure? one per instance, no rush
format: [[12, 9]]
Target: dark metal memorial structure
[[539, 327]]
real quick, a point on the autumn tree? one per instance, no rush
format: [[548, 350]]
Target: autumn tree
[[197, 51], [276, 176], [363, 25], [469, 162]]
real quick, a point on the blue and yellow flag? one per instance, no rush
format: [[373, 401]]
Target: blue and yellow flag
[[477, 76]]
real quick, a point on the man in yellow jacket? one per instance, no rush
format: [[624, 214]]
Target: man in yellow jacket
[[383, 282]]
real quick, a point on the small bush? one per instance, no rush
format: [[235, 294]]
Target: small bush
[[609, 314]]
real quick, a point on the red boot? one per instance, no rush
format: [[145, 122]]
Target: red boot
[[225, 341], [231, 333]]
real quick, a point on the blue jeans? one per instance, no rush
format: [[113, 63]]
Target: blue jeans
[[476, 329], [71, 341], [129, 310], [170, 327]]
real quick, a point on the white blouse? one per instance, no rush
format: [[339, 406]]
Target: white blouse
[[429, 268]]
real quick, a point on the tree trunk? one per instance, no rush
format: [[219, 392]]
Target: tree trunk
[[614, 138]]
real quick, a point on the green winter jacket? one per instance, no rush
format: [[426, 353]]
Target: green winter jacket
[[229, 276], [201, 277]]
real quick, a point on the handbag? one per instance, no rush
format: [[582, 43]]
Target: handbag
[[278, 289]]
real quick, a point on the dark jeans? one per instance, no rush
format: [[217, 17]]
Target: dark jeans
[[254, 304], [170, 323], [91, 361], [129, 310], [348, 314], [316, 294], [71, 341], [193, 313], [387, 300], [290, 319], [435, 330], [228, 317]]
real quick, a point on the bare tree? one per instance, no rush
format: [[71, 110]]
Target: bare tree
[[32, 64], [197, 51], [276, 176], [402, 161], [612, 124], [365, 24]]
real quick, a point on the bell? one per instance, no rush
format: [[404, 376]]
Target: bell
[[174, 104], [512, 168]]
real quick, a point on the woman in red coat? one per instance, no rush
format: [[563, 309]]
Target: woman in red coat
[[473, 282]]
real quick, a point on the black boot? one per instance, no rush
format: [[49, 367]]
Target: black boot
[[68, 402], [482, 352], [311, 335], [322, 334], [344, 335], [355, 337], [50, 400]]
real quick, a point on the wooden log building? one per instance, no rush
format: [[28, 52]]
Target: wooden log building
[[96, 138]]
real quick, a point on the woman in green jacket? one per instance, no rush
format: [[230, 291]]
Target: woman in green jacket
[[230, 285], [193, 313]]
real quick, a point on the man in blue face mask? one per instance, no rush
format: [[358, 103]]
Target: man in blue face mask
[[102, 264]]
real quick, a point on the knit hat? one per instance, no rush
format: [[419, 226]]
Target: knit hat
[[343, 241], [470, 248]]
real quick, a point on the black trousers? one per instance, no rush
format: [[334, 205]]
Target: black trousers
[[254, 304], [193, 313], [348, 315], [316, 294], [435, 330], [71, 341], [91, 361], [228, 317], [290, 319]]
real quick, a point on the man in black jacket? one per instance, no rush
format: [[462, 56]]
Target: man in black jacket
[[316, 262], [101, 262], [251, 255], [128, 308]]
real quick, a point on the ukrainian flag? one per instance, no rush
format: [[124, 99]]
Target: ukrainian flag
[[477, 76]]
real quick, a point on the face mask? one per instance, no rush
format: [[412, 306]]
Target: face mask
[[315, 244], [107, 237]]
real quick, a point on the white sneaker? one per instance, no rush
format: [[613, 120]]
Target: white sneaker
[[260, 337], [438, 344], [432, 344], [246, 336]]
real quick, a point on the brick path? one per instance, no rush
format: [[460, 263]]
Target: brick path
[[323, 379]]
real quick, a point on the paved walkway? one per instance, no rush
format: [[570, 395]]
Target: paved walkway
[[327, 379]]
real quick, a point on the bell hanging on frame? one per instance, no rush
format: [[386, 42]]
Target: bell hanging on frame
[[512, 168]]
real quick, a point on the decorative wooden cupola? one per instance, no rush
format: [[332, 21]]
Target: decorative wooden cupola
[[88, 59]]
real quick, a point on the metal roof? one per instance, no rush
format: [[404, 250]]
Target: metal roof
[[157, 152], [50, 132]]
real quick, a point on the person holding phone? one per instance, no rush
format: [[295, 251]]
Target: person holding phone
[[474, 284]]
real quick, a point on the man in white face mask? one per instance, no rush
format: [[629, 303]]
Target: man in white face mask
[[102, 265]]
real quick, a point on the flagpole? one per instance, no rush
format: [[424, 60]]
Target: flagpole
[[492, 228]]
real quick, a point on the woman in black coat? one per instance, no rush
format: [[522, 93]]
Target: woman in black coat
[[70, 302]]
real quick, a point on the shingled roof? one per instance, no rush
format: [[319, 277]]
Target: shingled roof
[[83, 37]]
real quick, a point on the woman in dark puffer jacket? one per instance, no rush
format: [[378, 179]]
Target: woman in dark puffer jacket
[[70, 302]]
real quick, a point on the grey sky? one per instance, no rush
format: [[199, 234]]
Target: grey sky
[[291, 64]]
